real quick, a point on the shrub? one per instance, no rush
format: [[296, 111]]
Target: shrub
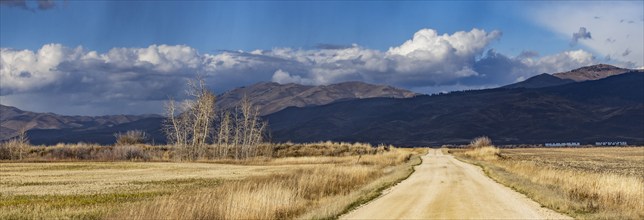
[[130, 152], [480, 142], [481, 148], [131, 137]]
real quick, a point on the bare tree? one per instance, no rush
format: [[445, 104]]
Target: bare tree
[[22, 142], [224, 134], [250, 129], [193, 126], [189, 125], [16, 147]]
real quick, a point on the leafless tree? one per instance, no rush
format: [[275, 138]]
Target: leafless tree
[[15, 148], [224, 134], [196, 128], [189, 124], [250, 128]]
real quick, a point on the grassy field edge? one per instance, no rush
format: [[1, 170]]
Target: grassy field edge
[[585, 183]]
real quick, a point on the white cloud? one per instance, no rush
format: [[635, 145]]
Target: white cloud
[[22, 70], [497, 69], [283, 77], [123, 79], [560, 62], [428, 45], [618, 29]]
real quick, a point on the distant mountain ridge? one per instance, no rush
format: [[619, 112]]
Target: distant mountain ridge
[[586, 73], [593, 72], [271, 97], [540, 81], [12, 120], [607, 109]]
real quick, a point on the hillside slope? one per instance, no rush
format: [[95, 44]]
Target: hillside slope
[[607, 109], [12, 120], [539, 81], [271, 97], [593, 72]]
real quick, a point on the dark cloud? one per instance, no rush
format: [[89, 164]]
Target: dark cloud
[[626, 52], [528, 54], [25, 74], [14, 3], [581, 34], [332, 46], [41, 4], [46, 4], [496, 68]]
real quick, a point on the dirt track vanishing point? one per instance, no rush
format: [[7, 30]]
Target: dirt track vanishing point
[[443, 187]]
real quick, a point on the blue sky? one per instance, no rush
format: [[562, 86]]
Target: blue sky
[[113, 57], [211, 26]]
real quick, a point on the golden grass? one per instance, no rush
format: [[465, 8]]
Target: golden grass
[[483, 153], [321, 191], [593, 183], [17, 151], [291, 187]]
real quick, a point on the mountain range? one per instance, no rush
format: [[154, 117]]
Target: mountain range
[[269, 97], [12, 120], [601, 110], [586, 73], [595, 103]]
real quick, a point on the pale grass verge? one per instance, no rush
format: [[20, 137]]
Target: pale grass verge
[[334, 206]]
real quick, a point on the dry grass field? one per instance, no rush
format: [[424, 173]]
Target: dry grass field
[[289, 187], [589, 183]]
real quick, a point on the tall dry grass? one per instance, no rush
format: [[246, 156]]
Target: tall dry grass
[[481, 148], [564, 187], [89, 152], [321, 191], [327, 148], [129, 148], [593, 195], [483, 153], [316, 180]]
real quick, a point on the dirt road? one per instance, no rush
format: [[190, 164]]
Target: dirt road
[[443, 187]]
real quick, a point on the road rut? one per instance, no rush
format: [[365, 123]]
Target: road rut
[[445, 188]]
